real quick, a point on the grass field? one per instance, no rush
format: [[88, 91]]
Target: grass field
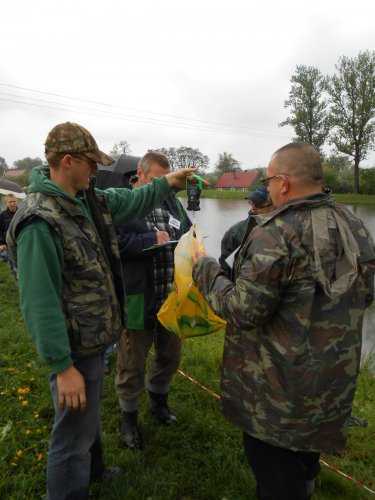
[[200, 458]]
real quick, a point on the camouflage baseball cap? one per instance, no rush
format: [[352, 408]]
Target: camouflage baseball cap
[[73, 138]]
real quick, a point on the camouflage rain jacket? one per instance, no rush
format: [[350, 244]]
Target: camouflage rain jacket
[[67, 279], [302, 280]]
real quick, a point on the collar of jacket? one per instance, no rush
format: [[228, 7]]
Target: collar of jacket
[[306, 202]]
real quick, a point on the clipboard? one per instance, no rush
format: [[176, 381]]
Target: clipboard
[[159, 245]]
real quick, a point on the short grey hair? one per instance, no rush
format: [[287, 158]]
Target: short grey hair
[[153, 157]]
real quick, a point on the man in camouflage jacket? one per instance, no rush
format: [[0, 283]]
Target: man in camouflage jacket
[[294, 312]]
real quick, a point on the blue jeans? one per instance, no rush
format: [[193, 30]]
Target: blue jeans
[[75, 453]]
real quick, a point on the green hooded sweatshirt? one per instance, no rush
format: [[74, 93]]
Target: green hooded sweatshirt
[[40, 259]]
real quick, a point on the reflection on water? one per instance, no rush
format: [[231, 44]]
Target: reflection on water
[[216, 216]]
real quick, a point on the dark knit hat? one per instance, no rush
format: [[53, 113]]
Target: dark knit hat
[[259, 197]]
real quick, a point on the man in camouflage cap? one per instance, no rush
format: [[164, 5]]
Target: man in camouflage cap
[[70, 137], [294, 310], [64, 246]]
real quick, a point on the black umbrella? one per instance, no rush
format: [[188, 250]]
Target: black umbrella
[[11, 187], [118, 174]]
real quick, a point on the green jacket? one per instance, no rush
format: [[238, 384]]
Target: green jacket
[[302, 279], [66, 282]]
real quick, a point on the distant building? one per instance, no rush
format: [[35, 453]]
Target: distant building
[[237, 181], [14, 172]]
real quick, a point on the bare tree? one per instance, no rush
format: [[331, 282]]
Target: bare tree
[[123, 147]]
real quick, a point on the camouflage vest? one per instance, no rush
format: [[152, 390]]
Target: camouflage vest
[[88, 297]]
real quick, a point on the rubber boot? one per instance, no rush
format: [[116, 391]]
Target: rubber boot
[[130, 430], [160, 409]]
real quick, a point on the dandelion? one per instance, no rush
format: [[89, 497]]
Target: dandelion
[[27, 431], [25, 402], [13, 464], [19, 453], [40, 456], [36, 414], [23, 390]]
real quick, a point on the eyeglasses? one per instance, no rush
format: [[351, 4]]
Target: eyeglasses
[[266, 180], [92, 163]]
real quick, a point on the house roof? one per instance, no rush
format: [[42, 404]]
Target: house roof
[[237, 179], [14, 172]]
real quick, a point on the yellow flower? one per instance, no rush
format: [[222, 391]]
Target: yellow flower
[[25, 402], [14, 464], [36, 414], [27, 431], [23, 390], [40, 456], [19, 453]]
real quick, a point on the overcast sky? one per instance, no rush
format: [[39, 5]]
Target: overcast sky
[[209, 74]]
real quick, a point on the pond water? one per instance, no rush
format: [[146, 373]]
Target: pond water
[[216, 216]]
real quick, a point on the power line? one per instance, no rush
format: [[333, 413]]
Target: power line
[[234, 130], [117, 116]]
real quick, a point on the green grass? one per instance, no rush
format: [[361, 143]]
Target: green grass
[[354, 199], [200, 458]]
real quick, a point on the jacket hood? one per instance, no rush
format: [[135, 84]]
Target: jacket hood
[[40, 182], [324, 218]]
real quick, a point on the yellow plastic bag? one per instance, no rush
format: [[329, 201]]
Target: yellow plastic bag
[[185, 312]]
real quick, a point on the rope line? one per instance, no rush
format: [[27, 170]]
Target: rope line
[[199, 384], [334, 469]]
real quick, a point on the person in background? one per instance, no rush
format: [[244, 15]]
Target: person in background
[[5, 219], [148, 278], [260, 203], [294, 310], [64, 247]]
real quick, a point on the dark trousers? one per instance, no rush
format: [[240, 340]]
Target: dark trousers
[[281, 474]]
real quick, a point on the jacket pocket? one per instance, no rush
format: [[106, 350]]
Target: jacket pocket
[[90, 325]]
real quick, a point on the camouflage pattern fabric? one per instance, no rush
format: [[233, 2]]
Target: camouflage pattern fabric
[[89, 303], [73, 138], [292, 351]]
